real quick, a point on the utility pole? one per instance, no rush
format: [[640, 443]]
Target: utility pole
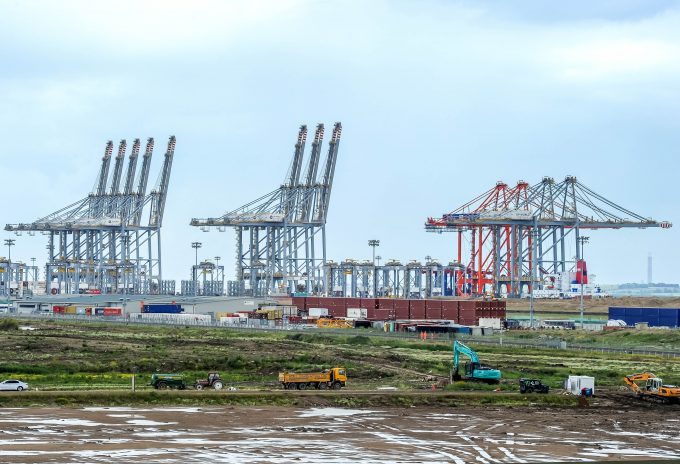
[[196, 246], [10, 243], [582, 240], [532, 274], [373, 244]]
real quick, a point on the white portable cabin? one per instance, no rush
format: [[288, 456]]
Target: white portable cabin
[[575, 383]]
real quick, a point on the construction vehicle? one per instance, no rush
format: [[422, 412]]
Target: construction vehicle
[[163, 381], [653, 388], [213, 381], [334, 378], [532, 386], [474, 370]]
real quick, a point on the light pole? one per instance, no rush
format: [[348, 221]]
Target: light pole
[[378, 258], [124, 302], [373, 244], [582, 240], [10, 243], [196, 246], [532, 276]]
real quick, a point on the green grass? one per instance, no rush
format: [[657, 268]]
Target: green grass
[[71, 356], [9, 325]]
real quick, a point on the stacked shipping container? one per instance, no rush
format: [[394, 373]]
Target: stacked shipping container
[[465, 312]]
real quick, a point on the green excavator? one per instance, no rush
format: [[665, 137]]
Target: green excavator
[[474, 370]]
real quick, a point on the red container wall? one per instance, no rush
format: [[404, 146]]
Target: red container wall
[[402, 313], [299, 301], [401, 309], [450, 310], [353, 303], [369, 303], [337, 311], [466, 305], [384, 314], [385, 303], [337, 302], [312, 302], [372, 313], [433, 309], [417, 309]]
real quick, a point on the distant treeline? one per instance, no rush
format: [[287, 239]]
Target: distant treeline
[[659, 285]]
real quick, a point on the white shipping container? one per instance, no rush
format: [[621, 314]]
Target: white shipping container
[[290, 310], [318, 312], [493, 322], [575, 383], [357, 313], [181, 318]]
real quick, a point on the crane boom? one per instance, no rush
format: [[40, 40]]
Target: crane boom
[[132, 168], [118, 168], [329, 172], [296, 167], [104, 171], [158, 205], [143, 180], [307, 202]]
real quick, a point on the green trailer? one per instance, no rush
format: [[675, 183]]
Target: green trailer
[[164, 381]]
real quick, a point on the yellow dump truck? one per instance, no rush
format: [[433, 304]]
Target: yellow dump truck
[[335, 379]]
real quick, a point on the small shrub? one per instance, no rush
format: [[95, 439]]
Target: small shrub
[[9, 325]]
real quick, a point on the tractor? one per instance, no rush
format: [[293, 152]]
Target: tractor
[[213, 381]]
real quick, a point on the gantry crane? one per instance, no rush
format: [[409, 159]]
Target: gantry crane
[[281, 236], [101, 243]]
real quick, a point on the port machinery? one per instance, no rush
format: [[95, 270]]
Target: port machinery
[[281, 236], [109, 241], [394, 279], [519, 235]]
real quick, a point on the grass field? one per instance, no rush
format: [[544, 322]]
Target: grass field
[[91, 356]]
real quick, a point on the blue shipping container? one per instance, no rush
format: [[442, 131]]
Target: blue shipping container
[[655, 317], [162, 308]]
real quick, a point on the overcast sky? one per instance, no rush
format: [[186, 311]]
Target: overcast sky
[[438, 101]]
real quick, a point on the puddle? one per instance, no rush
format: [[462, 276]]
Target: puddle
[[334, 412], [148, 422]]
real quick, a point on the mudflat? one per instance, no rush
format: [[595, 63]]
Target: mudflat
[[335, 435]]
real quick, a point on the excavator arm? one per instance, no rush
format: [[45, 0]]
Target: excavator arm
[[460, 348], [633, 378]]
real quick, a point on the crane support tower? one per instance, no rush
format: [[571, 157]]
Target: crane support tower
[[509, 239], [281, 236], [363, 279], [104, 242]]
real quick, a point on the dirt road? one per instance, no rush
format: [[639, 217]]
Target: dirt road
[[329, 435]]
